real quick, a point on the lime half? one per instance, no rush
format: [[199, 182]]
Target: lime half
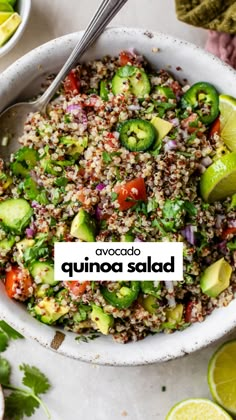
[[228, 121], [219, 179], [197, 409], [222, 376]]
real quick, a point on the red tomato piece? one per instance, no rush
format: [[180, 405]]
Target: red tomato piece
[[215, 128], [188, 312], [18, 278], [72, 84], [77, 288], [229, 231], [125, 57], [130, 193]]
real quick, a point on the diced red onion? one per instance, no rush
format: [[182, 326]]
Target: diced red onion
[[206, 161], [100, 186], [35, 204], [79, 114], [232, 223], [134, 107], [138, 240], [170, 289], [98, 213], [116, 134], [175, 122], [201, 168], [219, 219], [222, 246], [133, 53], [170, 145], [29, 233], [188, 234]]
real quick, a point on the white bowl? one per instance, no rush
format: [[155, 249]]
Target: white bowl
[[23, 8], [2, 404], [22, 80]]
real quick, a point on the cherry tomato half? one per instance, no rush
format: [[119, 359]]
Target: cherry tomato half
[[130, 193], [18, 278]]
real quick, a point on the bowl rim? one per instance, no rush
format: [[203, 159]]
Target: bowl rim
[[20, 30], [2, 404], [201, 335]]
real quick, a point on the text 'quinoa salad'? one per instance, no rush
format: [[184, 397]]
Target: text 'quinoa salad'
[[125, 154]]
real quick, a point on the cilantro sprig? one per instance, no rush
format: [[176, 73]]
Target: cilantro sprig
[[23, 401], [6, 334]]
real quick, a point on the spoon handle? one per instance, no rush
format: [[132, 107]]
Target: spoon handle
[[104, 14]]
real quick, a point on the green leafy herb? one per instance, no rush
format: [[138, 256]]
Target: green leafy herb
[[5, 371], [191, 138], [3, 341], [7, 333], [13, 334], [38, 250], [231, 245], [149, 109], [61, 182], [67, 119], [152, 205], [19, 405], [127, 71], [233, 202], [87, 338], [156, 223], [172, 213], [23, 401], [114, 196], [106, 157], [34, 379]]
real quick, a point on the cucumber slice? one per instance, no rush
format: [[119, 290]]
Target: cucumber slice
[[43, 272], [15, 214], [5, 6], [131, 81], [6, 245]]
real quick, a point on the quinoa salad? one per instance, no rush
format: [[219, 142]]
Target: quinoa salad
[[123, 155]]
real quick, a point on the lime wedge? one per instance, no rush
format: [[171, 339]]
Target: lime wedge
[[4, 16], [8, 28], [5, 6], [197, 409], [219, 179], [222, 376], [228, 121]]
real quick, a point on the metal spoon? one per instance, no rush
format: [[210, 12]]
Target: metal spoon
[[13, 118]]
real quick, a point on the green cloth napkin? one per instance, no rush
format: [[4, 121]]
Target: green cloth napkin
[[218, 15]]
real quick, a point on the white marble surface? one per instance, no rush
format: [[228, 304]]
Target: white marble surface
[[81, 391]]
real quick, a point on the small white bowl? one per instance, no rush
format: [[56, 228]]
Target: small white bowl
[[2, 405], [23, 8]]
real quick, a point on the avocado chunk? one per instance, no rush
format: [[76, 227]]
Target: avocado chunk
[[83, 226], [162, 127], [150, 304], [216, 278], [8, 28], [49, 311], [102, 320], [6, 245], [175, 315], [24, 244]]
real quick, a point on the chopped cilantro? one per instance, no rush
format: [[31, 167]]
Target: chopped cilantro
[[106, 157], [114, 196]]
